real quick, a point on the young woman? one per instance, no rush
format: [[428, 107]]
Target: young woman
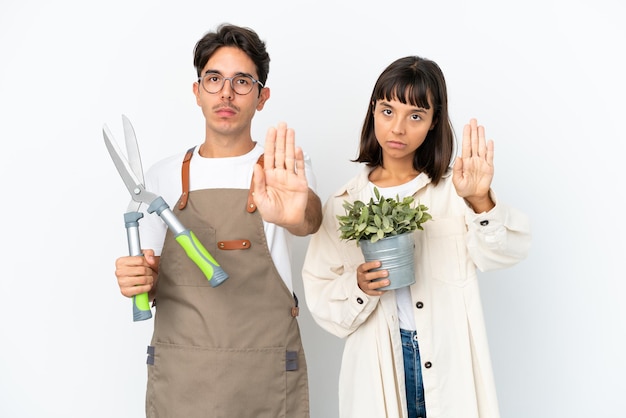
[[419, 350]]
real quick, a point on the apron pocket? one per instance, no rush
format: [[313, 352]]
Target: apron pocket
[[186, 381]]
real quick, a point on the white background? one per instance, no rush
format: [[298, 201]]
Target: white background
[[546, 78]]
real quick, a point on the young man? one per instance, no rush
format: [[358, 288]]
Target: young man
[[233, 350]]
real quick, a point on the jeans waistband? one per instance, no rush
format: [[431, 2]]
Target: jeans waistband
[[408, 334]]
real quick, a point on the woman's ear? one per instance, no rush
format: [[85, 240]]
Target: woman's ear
[[433, 124]]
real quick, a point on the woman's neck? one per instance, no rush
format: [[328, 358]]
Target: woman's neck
[[393, 175]]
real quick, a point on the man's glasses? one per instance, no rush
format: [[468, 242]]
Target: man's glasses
[[241, 84]]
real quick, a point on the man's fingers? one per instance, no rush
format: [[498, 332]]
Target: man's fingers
[[270, 145], [290, 151], [280, 146], [131, 291], [299, 162]]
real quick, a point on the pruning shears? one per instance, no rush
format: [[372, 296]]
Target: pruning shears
[[130, 169]]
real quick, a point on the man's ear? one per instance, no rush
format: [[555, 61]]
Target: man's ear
[[196, 91], [263, 97]]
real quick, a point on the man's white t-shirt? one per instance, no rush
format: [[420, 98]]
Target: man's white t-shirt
[[164, 179]]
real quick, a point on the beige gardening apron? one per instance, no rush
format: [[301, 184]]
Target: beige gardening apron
[[233, 351]]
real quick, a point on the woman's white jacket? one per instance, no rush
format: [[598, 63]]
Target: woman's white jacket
[[455, 359]]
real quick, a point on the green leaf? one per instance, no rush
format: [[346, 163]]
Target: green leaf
[[364, 214], [386, 208]]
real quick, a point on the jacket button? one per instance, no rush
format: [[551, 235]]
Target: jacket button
[[484, 223], [419, 305], [359, 301], [428, 365]]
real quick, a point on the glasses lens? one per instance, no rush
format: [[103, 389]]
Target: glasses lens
[[212, 82], [242, 84]]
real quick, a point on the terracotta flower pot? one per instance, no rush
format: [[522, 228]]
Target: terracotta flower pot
[[396, 254]]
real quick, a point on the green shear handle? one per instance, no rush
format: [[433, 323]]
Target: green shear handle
[[190, 243]]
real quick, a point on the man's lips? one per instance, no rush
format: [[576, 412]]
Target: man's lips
[[225, 111]]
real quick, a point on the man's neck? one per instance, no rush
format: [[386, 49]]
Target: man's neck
[[224, 149]]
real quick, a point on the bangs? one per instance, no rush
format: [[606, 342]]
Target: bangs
[[408, 89]]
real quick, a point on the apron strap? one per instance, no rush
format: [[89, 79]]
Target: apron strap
[[251, 206], [295, 310], [185, 179]]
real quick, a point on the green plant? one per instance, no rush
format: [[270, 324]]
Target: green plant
[[380, 218]]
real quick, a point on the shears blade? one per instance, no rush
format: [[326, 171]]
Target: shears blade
[[132, 149], [133, 184]]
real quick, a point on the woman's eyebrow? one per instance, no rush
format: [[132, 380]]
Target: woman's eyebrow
[[415, 108]]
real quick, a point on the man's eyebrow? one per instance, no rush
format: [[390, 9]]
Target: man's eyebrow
[[210, 71]]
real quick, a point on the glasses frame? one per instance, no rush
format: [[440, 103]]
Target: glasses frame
[[232, 86]]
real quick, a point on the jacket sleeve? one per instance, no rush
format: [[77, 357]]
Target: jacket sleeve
[[332, 295], [499, 238]]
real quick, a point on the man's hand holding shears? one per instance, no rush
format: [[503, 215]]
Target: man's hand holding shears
[[137, 274]]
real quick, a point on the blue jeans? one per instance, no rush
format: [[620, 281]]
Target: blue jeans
[[413, 375]]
